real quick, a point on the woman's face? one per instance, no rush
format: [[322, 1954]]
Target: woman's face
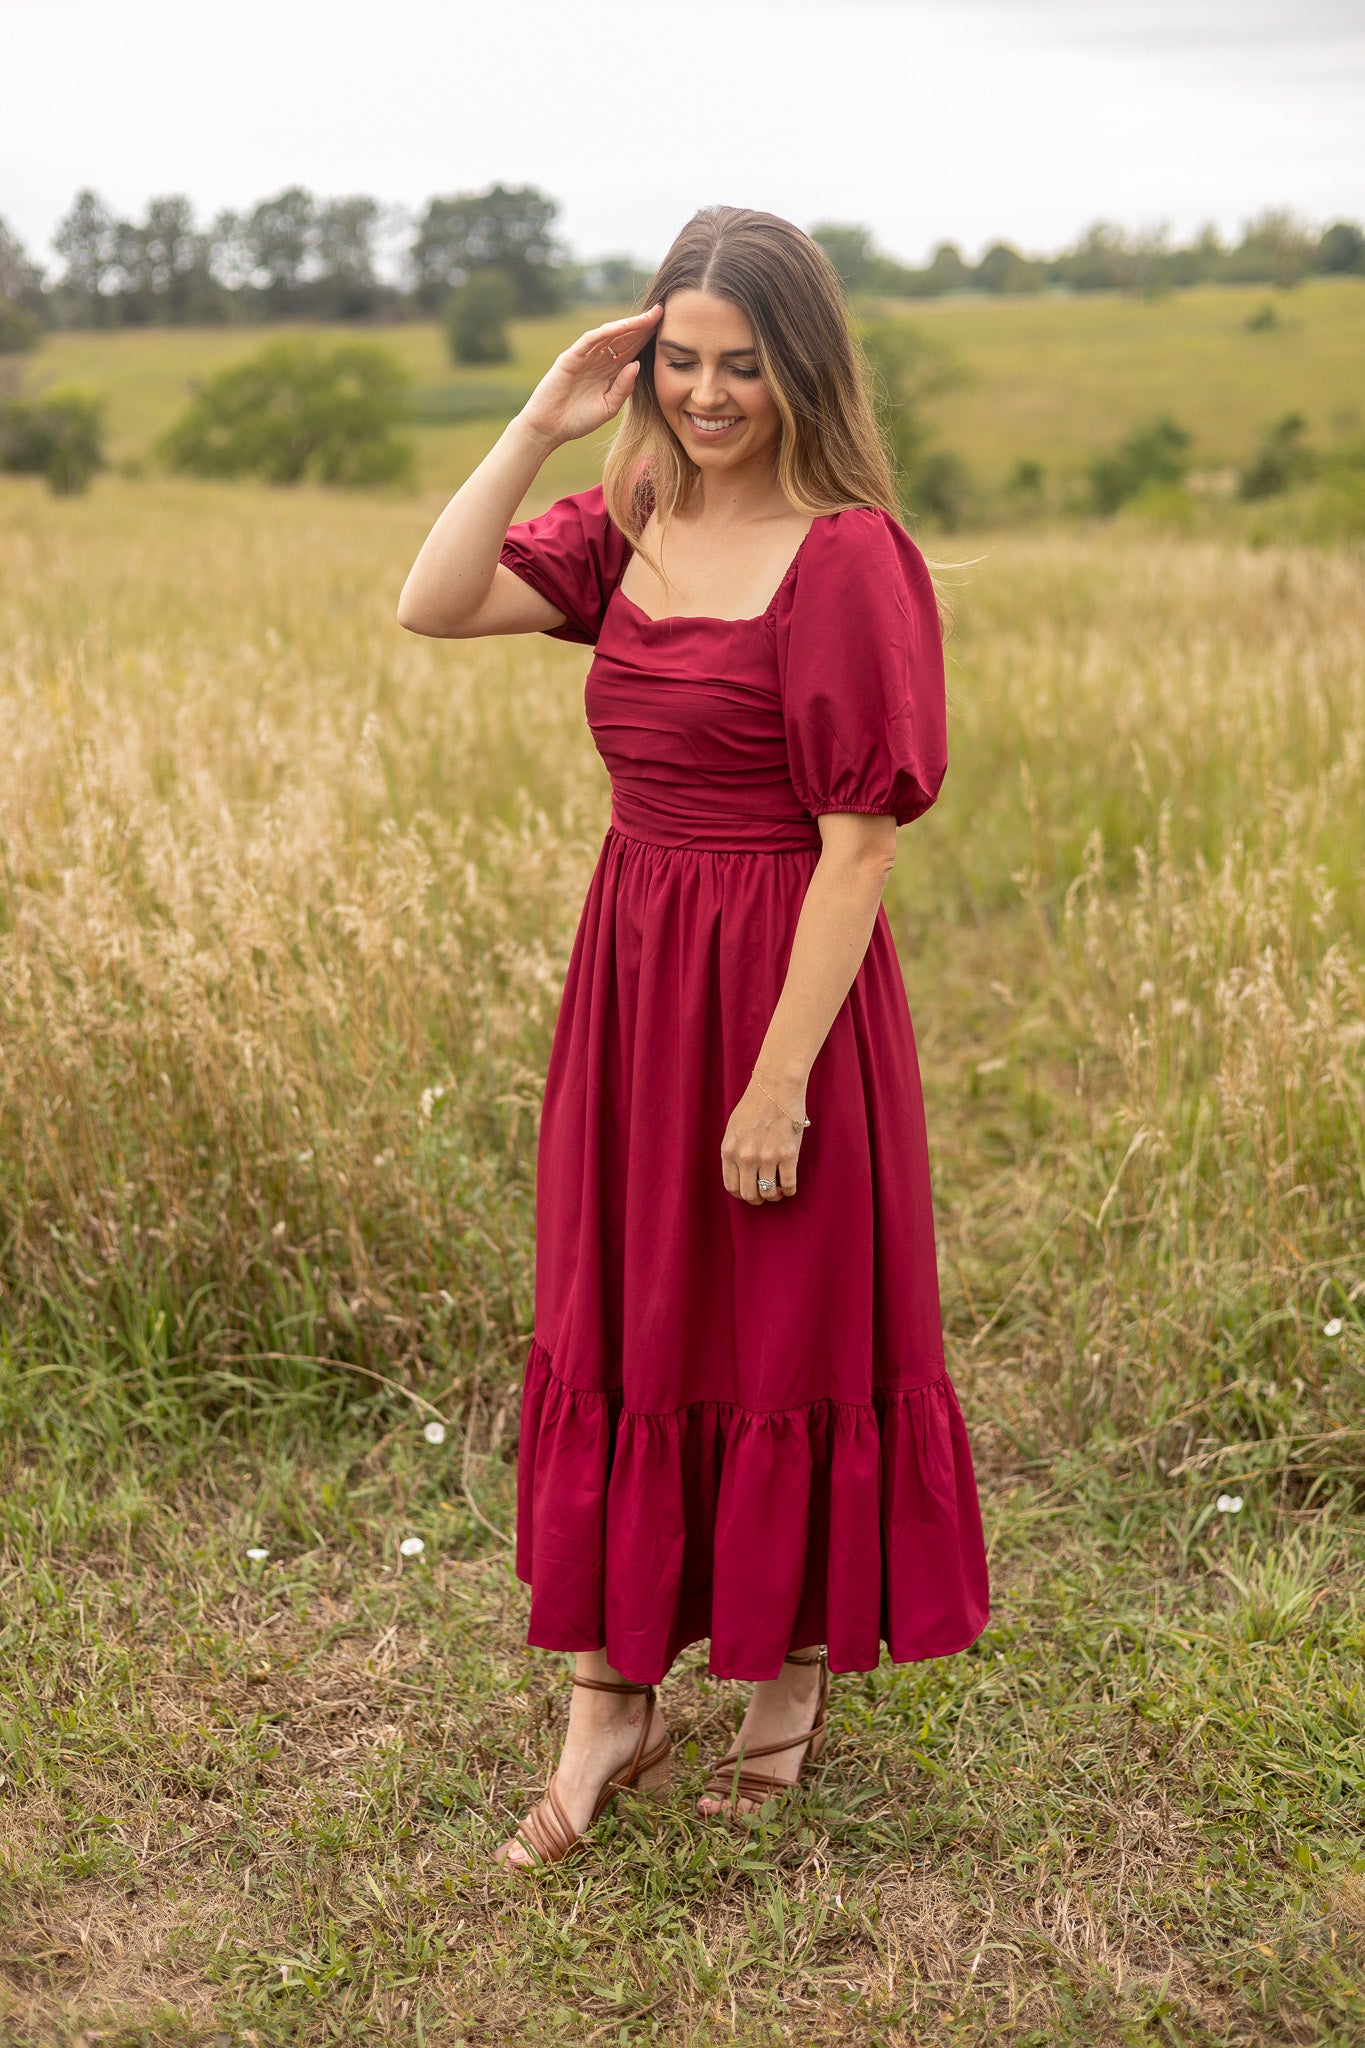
[[707, 380]]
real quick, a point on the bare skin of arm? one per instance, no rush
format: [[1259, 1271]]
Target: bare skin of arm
[[837, 916], [458, 589]]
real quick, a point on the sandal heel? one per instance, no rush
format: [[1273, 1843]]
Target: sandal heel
[[655, 1781]]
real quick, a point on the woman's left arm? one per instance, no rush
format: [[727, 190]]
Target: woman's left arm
[[832, 934]]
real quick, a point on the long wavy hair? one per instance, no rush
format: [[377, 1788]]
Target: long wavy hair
[[831, 455]]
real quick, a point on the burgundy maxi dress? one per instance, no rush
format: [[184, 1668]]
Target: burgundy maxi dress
[[736, 1421]]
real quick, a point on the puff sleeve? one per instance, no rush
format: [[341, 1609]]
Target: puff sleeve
[[860, 656], [574, 556]]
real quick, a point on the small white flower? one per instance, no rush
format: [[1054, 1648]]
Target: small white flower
[[257, 1555], [413, 1546], [435, 1432], [1332, 1329], [1229, 1503], [430, 1096], [1146, 991], [305, 1158]]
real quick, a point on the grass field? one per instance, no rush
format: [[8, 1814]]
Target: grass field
[[1047, 378], [288, 897]]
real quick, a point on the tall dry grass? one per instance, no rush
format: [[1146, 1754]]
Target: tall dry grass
[[288, 897]]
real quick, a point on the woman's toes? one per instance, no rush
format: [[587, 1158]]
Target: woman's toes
[[513, 1852]]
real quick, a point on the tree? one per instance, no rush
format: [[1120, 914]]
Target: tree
[[476, 318], [348, 232], [162, 264], [296, 411], [507, 228], [1154, 453], [614, 279], [849, 248], [58, 436], [1003, 269], [1281, 460], [908, 368], [946, 271], [86, 240], [1276, 248], [21, 299], [280, 237], [1341, 249]]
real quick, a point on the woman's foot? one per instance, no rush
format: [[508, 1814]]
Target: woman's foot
[[788, 1705], [603, 1736]]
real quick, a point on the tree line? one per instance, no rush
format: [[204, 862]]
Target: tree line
[[300, 256], [1275, 248]]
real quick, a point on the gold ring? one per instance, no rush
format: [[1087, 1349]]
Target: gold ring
[[611, 351]]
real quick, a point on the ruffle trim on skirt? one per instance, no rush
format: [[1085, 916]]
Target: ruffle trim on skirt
[[836, 1523]]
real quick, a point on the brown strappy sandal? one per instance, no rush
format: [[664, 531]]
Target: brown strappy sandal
[[729, 1781], [547, 1830]]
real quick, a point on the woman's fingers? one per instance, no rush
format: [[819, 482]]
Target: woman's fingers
[[632, 330]]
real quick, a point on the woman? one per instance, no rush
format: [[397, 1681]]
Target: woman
[[736, 1421]]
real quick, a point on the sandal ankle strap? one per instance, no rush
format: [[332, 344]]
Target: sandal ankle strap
[[800, 1662], [611, 1685]]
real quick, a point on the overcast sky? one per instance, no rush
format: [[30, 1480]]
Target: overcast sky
[[925, 119]]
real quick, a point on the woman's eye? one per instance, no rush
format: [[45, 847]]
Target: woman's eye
[[685, 367]]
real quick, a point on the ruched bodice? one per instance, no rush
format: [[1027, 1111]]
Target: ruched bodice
[[687, 716]]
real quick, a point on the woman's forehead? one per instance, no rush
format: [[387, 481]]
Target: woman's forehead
[[696, 319]]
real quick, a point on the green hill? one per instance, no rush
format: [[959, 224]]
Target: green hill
[[1048, 377]]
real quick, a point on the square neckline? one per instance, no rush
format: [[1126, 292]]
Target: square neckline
[[710, 618]]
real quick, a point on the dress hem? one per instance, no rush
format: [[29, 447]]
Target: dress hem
[[853, 1524]]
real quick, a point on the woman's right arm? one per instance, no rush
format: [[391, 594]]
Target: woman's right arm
[[457, 588]]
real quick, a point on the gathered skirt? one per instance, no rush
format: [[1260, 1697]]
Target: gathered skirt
[[736, 1423]]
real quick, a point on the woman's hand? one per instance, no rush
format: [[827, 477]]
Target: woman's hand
[[585, 387], [760, 1144]]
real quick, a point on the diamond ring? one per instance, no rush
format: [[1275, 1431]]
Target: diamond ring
[[765, 1187]]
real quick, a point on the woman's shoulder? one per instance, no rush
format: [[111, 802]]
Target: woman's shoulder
[[859, 545], [579, 520], [860, 527]]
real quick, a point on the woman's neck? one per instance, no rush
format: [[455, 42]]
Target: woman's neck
[[738, 496]]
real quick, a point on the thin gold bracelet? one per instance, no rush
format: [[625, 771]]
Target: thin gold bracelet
[[798, 1123]]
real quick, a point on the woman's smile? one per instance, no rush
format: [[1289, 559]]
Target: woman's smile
[[712, 429]]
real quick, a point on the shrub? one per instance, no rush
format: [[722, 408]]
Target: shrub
[[298, 411], [58, 436], [20, 327], [1280, 461], [908, 368], [1026, 487], [1154, 453], [1339, 511], [477, 314]]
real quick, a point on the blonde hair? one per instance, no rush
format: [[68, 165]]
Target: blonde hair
[[831, 455]]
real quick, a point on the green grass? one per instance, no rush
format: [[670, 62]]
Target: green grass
[[1053, 379], [273, 874]]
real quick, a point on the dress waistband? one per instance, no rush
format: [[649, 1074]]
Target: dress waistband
[[723, 836]]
